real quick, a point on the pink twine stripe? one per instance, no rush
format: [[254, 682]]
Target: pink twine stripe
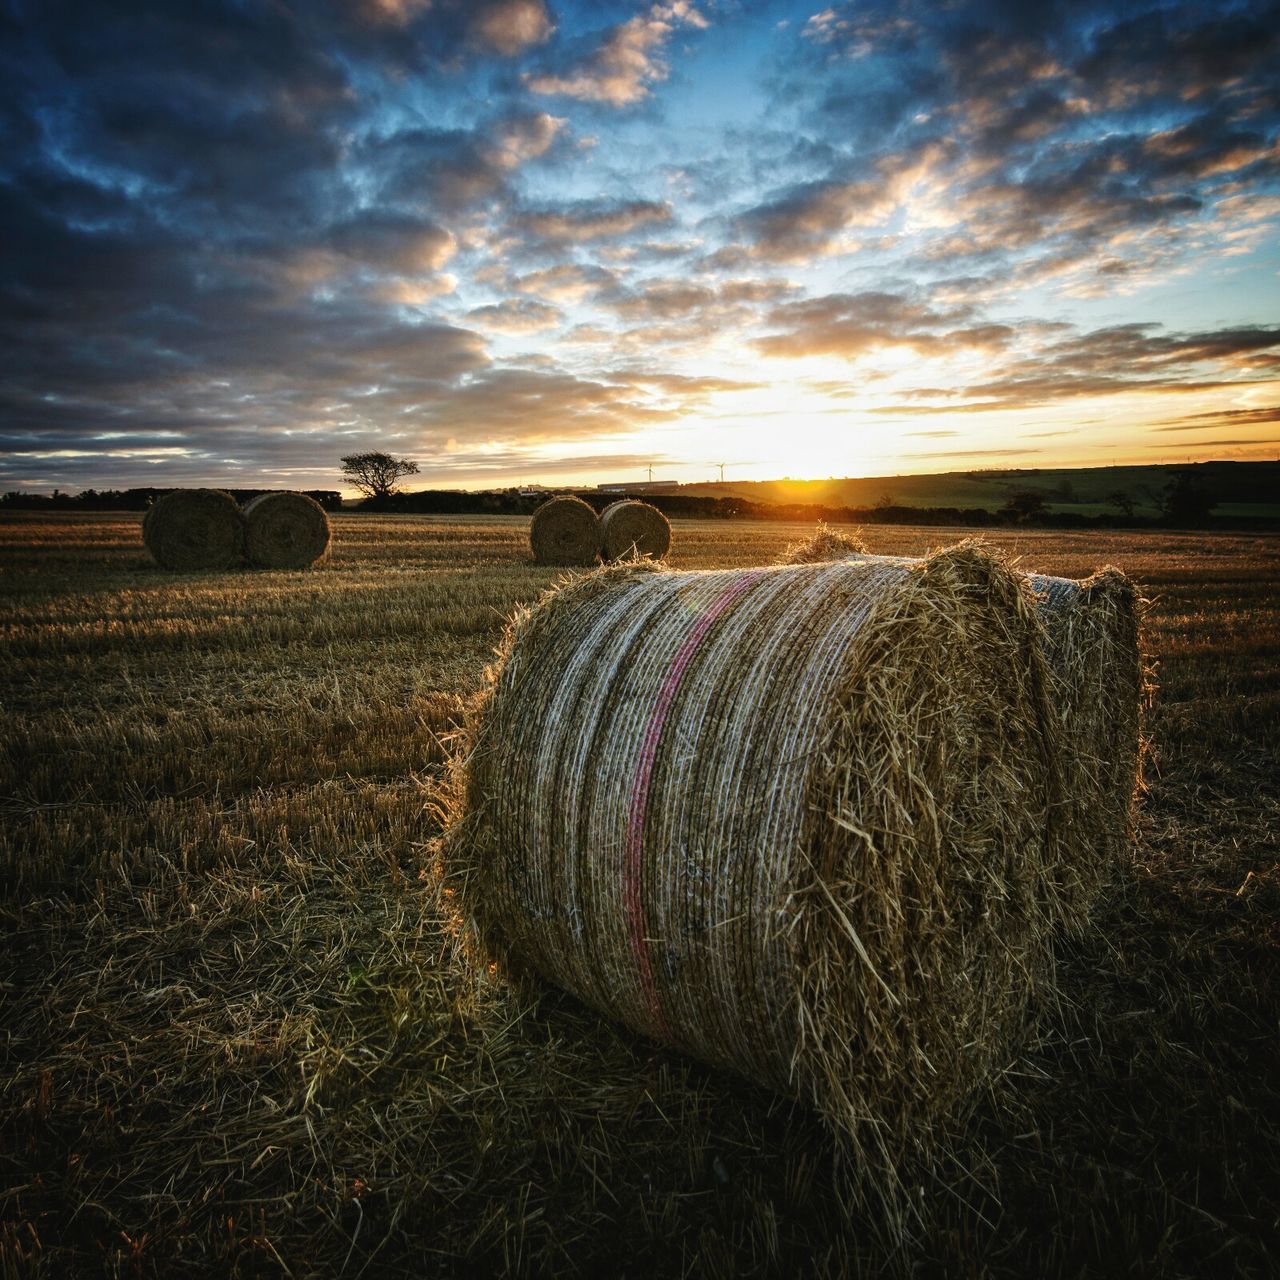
[[633, 860]]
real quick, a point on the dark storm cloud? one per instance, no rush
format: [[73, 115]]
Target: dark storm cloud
[[451, 169], [210, 235]]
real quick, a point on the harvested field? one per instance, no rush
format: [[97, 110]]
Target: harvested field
[[240, 1036]]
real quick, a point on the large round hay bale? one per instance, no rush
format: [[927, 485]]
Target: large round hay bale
[[1092, 643], [825, 543], [630, 529], [191, 529], [565, 530], [286, 531], [794, 821]]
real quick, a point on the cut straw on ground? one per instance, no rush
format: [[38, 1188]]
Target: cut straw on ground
[[824, 544]]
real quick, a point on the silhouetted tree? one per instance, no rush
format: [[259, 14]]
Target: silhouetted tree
[[1184, 500], [375, 474], [1022, 504], [1122, 501]]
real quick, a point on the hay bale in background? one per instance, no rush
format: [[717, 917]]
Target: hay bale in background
[[286, 531], [631, 529], [1092, 642], [824, 544], [566, 531], [790, 820], [191, 529]]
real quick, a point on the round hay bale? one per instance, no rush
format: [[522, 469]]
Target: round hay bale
[[565, 530], [630, 529], [825, 543], [790, 820], [286, 531], [1092, 643], [190, 529]]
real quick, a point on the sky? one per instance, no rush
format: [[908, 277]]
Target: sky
[[521, 241]]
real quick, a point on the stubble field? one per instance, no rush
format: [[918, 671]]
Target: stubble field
[[237, 1033]]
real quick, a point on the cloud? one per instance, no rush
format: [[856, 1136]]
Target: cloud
[[390, 242], [1117, 359], [1081, 144], [1214, 443], [1005, 452], [506, 27], [451, 169], [596, 219], [853, 324], [807, 219], [510, 26], [237, 235], [628, 61], [1222, 418], [551, 404], [565, 282], [516, 315]]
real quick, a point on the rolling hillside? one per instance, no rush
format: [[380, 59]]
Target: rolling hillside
[[1237, 488]]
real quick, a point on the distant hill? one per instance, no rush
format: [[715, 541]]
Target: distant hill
[[1236, 489]]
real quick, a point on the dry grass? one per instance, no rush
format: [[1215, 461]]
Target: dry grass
[[825, 543], [238, 1036]]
